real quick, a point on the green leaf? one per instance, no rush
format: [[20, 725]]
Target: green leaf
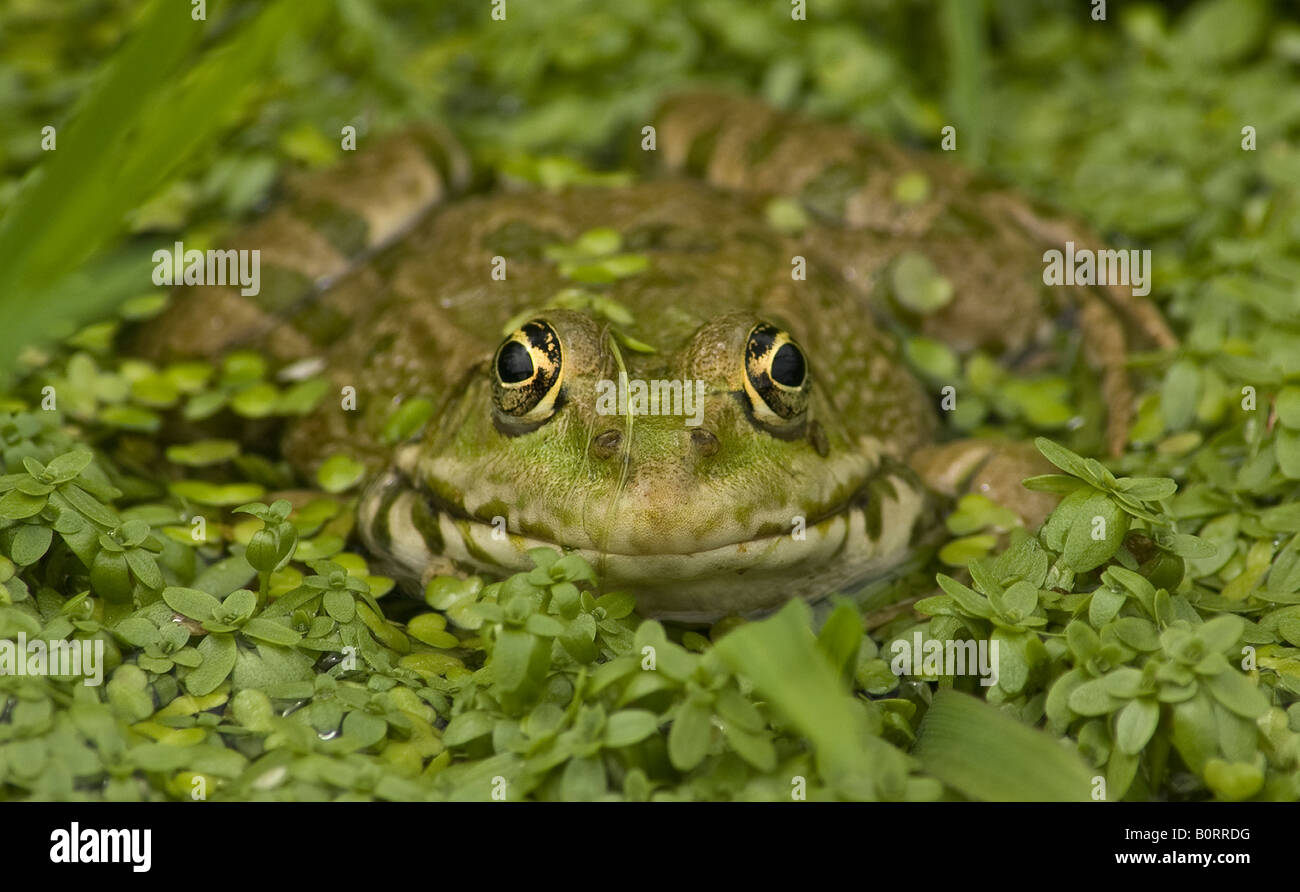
[[1019, 600], [257, 401], [1218, 31], [65, 467], [30, 544], [339, 473], [1104, 606], [579, 639], [18, 505], [362, 729], [302, 397], [1059, 483], [1147, 489], [1233, 781], [131, 418], [1179, 393], [967, 598], [754, 747], [583, 779], [191, 602], [1092, 698], [573, 568], [1056, 707], [544, 626], [692, 730], [1063, 458], [203, 452], [224, 576], [1136, 724], [88, 505], [841, 637], [216, 494], [466, 727], [144, 568], [270, 631], [988, 755], [1187, 546], [616, 604], [786, 215], [1237, 693], [110, 577], [1137, 633], [1287, 448], [918, 285], [219, 653], [137, 631], [407, 419], [629, 726], [1288, 407], [1221, 633], [431, 628], [780, 658], [512, 658], [1094, 535], [341, 605]]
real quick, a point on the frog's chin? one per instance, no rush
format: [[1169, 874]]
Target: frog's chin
[[744, 577]]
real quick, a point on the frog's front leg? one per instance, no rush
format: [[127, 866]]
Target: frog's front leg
[[873, 206], [992, 468]]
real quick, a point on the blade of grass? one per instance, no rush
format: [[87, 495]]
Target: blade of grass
[[56, 220], [964, 22], [985, 754], [779, 655], [134, 131]]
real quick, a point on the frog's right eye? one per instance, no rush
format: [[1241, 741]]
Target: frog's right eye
[[527, 373], [776, 377]]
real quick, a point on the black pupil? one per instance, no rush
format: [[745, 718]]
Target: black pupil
[[788, 366], [514, 364]]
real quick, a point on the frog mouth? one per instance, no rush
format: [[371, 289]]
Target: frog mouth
[[422, 536]]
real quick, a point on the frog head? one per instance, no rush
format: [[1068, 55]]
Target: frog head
[[713, 474]]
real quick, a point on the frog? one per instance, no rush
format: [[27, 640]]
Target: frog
[[743, 278]]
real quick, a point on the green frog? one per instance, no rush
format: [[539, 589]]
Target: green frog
[[693, 380]]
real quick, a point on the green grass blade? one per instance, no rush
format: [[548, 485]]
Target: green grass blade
[[65, 210], [132, 133], [964, 24], [779, 655], [985, 754]]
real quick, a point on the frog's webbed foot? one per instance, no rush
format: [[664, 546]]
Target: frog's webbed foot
[[872, 204]]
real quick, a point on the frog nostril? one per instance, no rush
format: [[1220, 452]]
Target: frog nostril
[[704, 442], [606, 443]]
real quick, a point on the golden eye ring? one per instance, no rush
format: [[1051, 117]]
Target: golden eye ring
[[528, 374], [777, 380]]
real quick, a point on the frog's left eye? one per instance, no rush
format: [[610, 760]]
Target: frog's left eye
[[527, 372], [776, 376]]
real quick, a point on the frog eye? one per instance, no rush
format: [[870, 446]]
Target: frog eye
[[527, 372], [776, 375]]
